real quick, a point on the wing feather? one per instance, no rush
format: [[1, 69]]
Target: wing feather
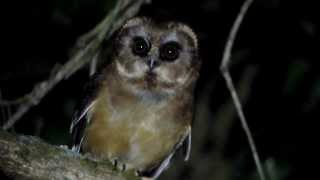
[[185, 143], [80, 118]]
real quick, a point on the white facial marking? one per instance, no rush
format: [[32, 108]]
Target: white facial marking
[[171, 37], [182, 79], [139, 70], [164, 75]]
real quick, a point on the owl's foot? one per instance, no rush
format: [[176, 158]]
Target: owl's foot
[[138, 173], [118, 165]]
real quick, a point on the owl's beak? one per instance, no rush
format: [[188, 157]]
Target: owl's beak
[[152, 63]]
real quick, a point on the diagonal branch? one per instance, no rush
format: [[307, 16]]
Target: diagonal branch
[[226, 74], [88, 46]]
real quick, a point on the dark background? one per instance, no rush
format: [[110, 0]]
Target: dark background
[[274, 67]]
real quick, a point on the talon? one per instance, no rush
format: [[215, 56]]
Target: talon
[[118, 165], [123, 167], [115, 164], [138, 173]]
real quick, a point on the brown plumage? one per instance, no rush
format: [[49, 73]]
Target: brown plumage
[[139, 110]]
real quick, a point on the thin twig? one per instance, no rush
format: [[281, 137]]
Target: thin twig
[[226, 74], [89, 46]]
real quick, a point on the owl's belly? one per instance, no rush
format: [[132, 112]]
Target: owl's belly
[[139, 139]]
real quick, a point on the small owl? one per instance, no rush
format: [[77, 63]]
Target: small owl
[[138, 109]]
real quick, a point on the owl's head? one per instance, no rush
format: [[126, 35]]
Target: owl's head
[[156, 58]]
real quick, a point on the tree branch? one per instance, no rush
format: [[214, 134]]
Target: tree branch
[[87, 46], [226, 74], [28, 157]]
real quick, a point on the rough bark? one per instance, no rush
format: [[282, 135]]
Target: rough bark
[[28, 157]]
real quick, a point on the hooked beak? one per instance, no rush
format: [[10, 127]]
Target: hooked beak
[[151, 63]]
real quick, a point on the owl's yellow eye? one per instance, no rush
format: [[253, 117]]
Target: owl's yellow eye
[[140, 46], [170, 51]]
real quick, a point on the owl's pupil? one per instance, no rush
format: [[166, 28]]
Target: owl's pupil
[[140, 46], [170, 51]]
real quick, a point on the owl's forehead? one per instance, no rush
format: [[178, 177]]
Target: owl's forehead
[[156, 33], [159, 33]]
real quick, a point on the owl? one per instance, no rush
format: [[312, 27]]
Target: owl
[[139, 108]]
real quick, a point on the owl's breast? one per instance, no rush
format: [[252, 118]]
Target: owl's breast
[[137, 134]]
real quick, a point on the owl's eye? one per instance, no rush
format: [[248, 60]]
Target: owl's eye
[[170, 51], [140, 46]]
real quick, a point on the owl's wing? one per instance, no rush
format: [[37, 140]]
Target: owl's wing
[[80, 118], [185, 143]]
